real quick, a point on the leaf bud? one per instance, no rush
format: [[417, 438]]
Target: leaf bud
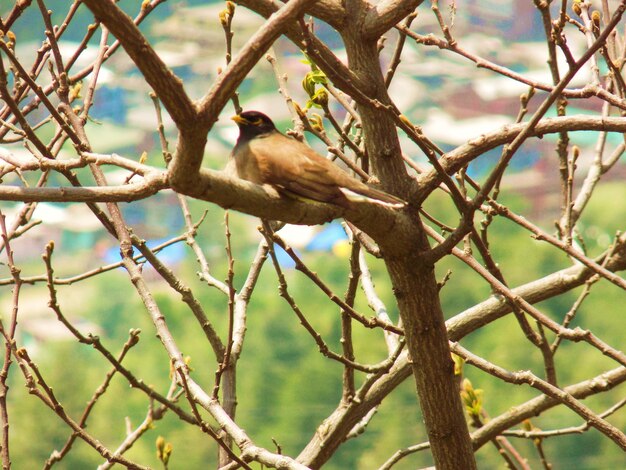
[[596, 16], [320, 98]]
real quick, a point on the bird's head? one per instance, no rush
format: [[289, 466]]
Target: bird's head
[[252, 124]]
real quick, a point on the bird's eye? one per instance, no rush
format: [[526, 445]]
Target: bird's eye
[[257, 122]]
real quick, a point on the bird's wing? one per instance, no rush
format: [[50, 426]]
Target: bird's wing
[[292, 165], [319, 170]]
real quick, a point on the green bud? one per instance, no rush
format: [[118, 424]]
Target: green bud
[[320, 98], [308, 83], [316, 122]]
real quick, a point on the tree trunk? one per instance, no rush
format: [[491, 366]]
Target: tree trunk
[[416, 291], [229, 402], [414, 283]]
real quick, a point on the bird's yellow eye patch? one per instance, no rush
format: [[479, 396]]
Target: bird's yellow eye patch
[[257, 122]]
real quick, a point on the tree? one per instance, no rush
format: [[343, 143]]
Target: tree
[[46, 111]]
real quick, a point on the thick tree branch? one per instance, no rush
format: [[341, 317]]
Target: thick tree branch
[[532, 408], [454, 160], [332, 12], [527, 377], [264, 202], [159, 76], [386, 14], [152, 184]]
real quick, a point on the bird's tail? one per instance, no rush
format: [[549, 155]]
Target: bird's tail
[[373, 195]]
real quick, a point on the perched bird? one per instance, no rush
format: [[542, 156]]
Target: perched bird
[[263, 155]]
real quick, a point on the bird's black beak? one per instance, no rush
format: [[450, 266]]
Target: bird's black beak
[[239, 120]]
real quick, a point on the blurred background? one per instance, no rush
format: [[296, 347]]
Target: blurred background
[[285, 387]]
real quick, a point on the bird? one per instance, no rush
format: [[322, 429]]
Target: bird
[[263, 155]]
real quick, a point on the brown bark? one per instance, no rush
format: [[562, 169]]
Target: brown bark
[[417, 295]]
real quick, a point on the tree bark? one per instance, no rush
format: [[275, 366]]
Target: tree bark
[[229, 402], [416, 292]]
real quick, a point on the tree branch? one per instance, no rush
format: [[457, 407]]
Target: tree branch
[[454, 160], [386, 14], [159, 76]]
